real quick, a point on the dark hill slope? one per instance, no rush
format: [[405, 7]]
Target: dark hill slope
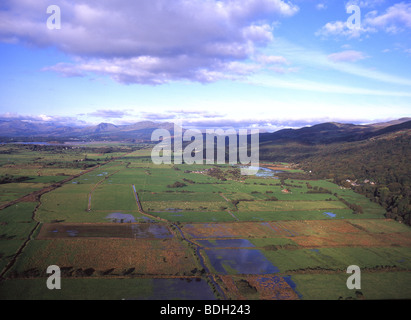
[[382, 156], [332, 132]]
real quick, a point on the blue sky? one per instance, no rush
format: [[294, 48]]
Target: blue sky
[[268, 64]]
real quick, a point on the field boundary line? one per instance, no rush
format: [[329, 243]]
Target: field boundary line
[[95, 187], [37, 196], [38, 193], [140, 207]]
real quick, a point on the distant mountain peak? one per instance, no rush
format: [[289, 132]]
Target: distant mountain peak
[[105, 127]]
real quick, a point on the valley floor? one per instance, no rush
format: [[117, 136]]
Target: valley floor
[[125, 229]]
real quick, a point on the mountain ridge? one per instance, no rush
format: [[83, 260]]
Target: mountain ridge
[[331, 132], [321, 133], [104, 131]]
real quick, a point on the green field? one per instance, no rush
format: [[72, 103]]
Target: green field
[[302, 230]]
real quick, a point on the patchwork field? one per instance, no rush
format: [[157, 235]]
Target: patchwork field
[[105, 257], [189, 232]]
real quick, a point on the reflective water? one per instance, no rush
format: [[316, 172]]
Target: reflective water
[[117, 230], [240, 261], [119, 217], [264, 172], [150, 230], [330, 214], [226, 243]]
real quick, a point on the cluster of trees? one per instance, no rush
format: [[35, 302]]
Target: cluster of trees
[[317, 189], [223, 175], [176, 184], [11, 179], [217, 173], [356, 208]]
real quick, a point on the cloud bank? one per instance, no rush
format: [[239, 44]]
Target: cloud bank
[[149, 41]]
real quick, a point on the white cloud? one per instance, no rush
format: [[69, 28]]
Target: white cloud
[[148, 41], [271, 59], [42, 118], [110, 114], [256, 33], [157, 71], [365, 3], [396, 19], [347, 56], [301, 56], [340, 28]]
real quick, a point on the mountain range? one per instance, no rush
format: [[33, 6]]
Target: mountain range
[[30, 130], [323, 133], [332, 132]]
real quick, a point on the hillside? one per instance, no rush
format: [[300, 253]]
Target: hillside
[[377, 165], [332, 132]]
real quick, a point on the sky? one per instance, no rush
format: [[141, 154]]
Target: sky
[[266, 64]]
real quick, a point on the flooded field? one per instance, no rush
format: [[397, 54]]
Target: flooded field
[[330, 214], [126, 230], [226, 243], [119, 217], [240, 261], [263, 172], [132, 230], [177, 289]]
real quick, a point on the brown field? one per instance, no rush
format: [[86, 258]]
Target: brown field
[[354, 240], [313, 227], [309, 234], [148, 257], [271, 229], [379, 225], [104, 230], [228, 230], [261, 287]]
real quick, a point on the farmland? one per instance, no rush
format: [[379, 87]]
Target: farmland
[[200, 228]]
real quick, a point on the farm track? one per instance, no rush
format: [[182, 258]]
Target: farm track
[[20, 250], [228, 210], [140, 207], [35, 195], [95, 187], [183, 237], [202, 262], [231, 214]]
